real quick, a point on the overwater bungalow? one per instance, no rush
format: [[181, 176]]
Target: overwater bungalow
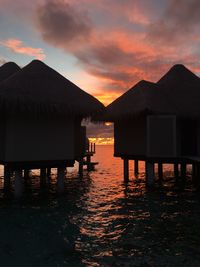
[[41, 114], [158, 122], [8, 69]]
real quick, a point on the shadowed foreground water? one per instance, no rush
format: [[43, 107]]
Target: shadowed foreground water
[[100, 221]]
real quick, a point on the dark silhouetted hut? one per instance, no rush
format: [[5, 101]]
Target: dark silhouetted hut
[[158, 122], [41, 114]]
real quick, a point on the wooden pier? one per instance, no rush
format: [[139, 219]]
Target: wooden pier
[[180, 168], [86, 160], [21, 171]]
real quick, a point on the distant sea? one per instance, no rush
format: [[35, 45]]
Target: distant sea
[[101, 221]]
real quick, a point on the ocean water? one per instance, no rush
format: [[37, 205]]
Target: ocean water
[[101, 221]]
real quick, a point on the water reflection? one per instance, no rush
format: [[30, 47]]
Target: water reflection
[[101, 221]]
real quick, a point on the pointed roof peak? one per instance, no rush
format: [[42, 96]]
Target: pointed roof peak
[[36, 63], [10, 64], [178, 66], [178, 73], [43, 90], [8, 69], [143, 84]]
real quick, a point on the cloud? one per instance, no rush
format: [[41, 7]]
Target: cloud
[[122, 43], [99, 130], [17, 46], [62, 25], [178, 25]]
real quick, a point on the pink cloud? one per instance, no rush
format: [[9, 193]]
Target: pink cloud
[[120, 43], [17, 46]]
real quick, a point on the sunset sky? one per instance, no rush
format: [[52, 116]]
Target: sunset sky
[[103, 46]]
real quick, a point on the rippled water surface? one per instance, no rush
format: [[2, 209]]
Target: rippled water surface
[[100, 221]]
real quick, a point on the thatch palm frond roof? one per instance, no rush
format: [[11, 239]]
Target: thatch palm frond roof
[[182, 88], [177, 92], [38, 88], [144, 98], [8, 69], [177, 75]]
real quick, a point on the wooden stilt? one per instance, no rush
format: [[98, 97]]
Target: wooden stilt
[[126, 170], [194, 174], [197, 175], [48, 172], [7, 174], [89, 163], [136, 167], [43, 176], [183, 171], [18, 184], [150, 177], [80, 170], [176, 170], [160, 171], [27, 174], [60, 180]]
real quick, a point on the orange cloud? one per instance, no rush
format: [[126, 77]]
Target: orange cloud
[[106, 98], [17, 46], [129, 43]]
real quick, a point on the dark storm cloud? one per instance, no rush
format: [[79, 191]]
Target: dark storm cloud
[[61, 24]]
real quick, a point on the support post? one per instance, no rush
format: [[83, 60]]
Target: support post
[[136, 167], [126, 170], [88, 163], [48, 172], [60, 179], [183, 170], [43, 176], [18, 184], [80, 169], [176, 170], [197, 174], [194, 174], [7, 174], [160, 171], [27, 174], [150, 173]]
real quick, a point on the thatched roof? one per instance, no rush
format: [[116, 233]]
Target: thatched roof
[[182, 88], [177, 75], [143, 98], [177, 92], [8, 69], [39, 89]]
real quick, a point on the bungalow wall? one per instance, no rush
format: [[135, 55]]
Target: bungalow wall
[[40, 139], [80, 143], [151, 136], [161, 136], [130, 137], [2, 137], [198, 138], [188, 137]]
